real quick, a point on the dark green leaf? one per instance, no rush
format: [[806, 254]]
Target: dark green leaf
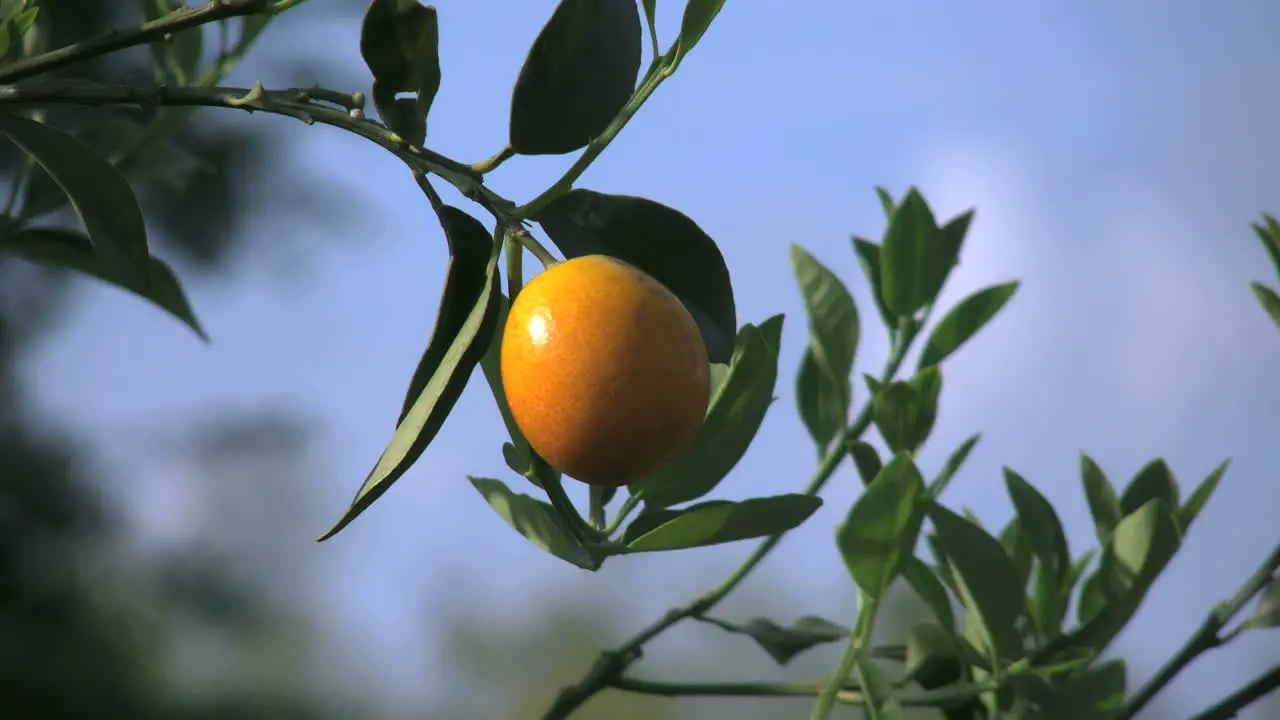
[[964, 321], [942, 567], [879, 700], [399, 41], [784, 643], [952, 466], [869, 260], [1153, 482], [865, 459], [1092, 598], [698, 15], [929, 587], [822, 400], [718, 521], [987, 582], [98, 192], [1101, 688], [577, 77], [1200, 497], [1039, 522], [464, 347], [933, 656], [733, 418], [915, 258], [662, 242], [14, 25], [536, 520], [1269, 299], [1267, 614], [882, 526], [1104, 506], [65, 249], [465, 282], [904, 412], [651, 14]]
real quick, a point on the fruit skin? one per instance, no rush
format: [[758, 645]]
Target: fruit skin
[[604, 370]]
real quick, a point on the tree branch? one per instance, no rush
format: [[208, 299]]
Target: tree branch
[[1231, 705], [300, 103], [1206, 637], [145, 33]]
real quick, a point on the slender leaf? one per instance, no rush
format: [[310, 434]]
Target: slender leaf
[[536, 520], [718, 521], [931, 590], [869, 260], [1104, 506], [1269, 299], [964, 321], [953, 465], [1200, 497], [865, 459], [785, 642]]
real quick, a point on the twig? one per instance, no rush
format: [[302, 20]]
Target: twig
[[145, 33], [1231, 705], [849, 693], [859, 638], [298, 103], [1206, 637], [610, 665]]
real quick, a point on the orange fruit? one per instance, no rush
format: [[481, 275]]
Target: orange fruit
[[604, 370]]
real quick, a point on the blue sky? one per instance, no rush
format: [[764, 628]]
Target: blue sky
[[1115, 152]]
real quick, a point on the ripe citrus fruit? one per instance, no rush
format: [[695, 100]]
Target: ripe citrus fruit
[[604, 370]]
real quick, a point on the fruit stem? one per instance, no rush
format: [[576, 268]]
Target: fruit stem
[[624, 512], [859, 638], [525, 238]]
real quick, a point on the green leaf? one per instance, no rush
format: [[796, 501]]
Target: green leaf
[[536, 520], [1141, 547], [1267, 614], [964, 321], [952, 466], [823, 402], [823, 388], [717, 521], [869, 260], [1200, 497], [987, 583], [578, 75], [1039, 523], [99, 194], [784, 643], [1104, 506], [882, 526], [865, 459], [465, 343], [917, 255], [1269, 299], [1015, 544], [15, 23], [933, 656], [1154, 481], [698, 15], [651, 14], [929, 587], [734, 416], [65, 249], [399, 41], [833, 317], [1268, 232], [886, 202], [877, 691], [904, 412], [662, 242]]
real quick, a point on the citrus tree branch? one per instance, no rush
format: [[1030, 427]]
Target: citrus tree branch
[[143, 34], [310, 105], [611, 664], [859, 638], [1229, 706], [1207, 636]]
